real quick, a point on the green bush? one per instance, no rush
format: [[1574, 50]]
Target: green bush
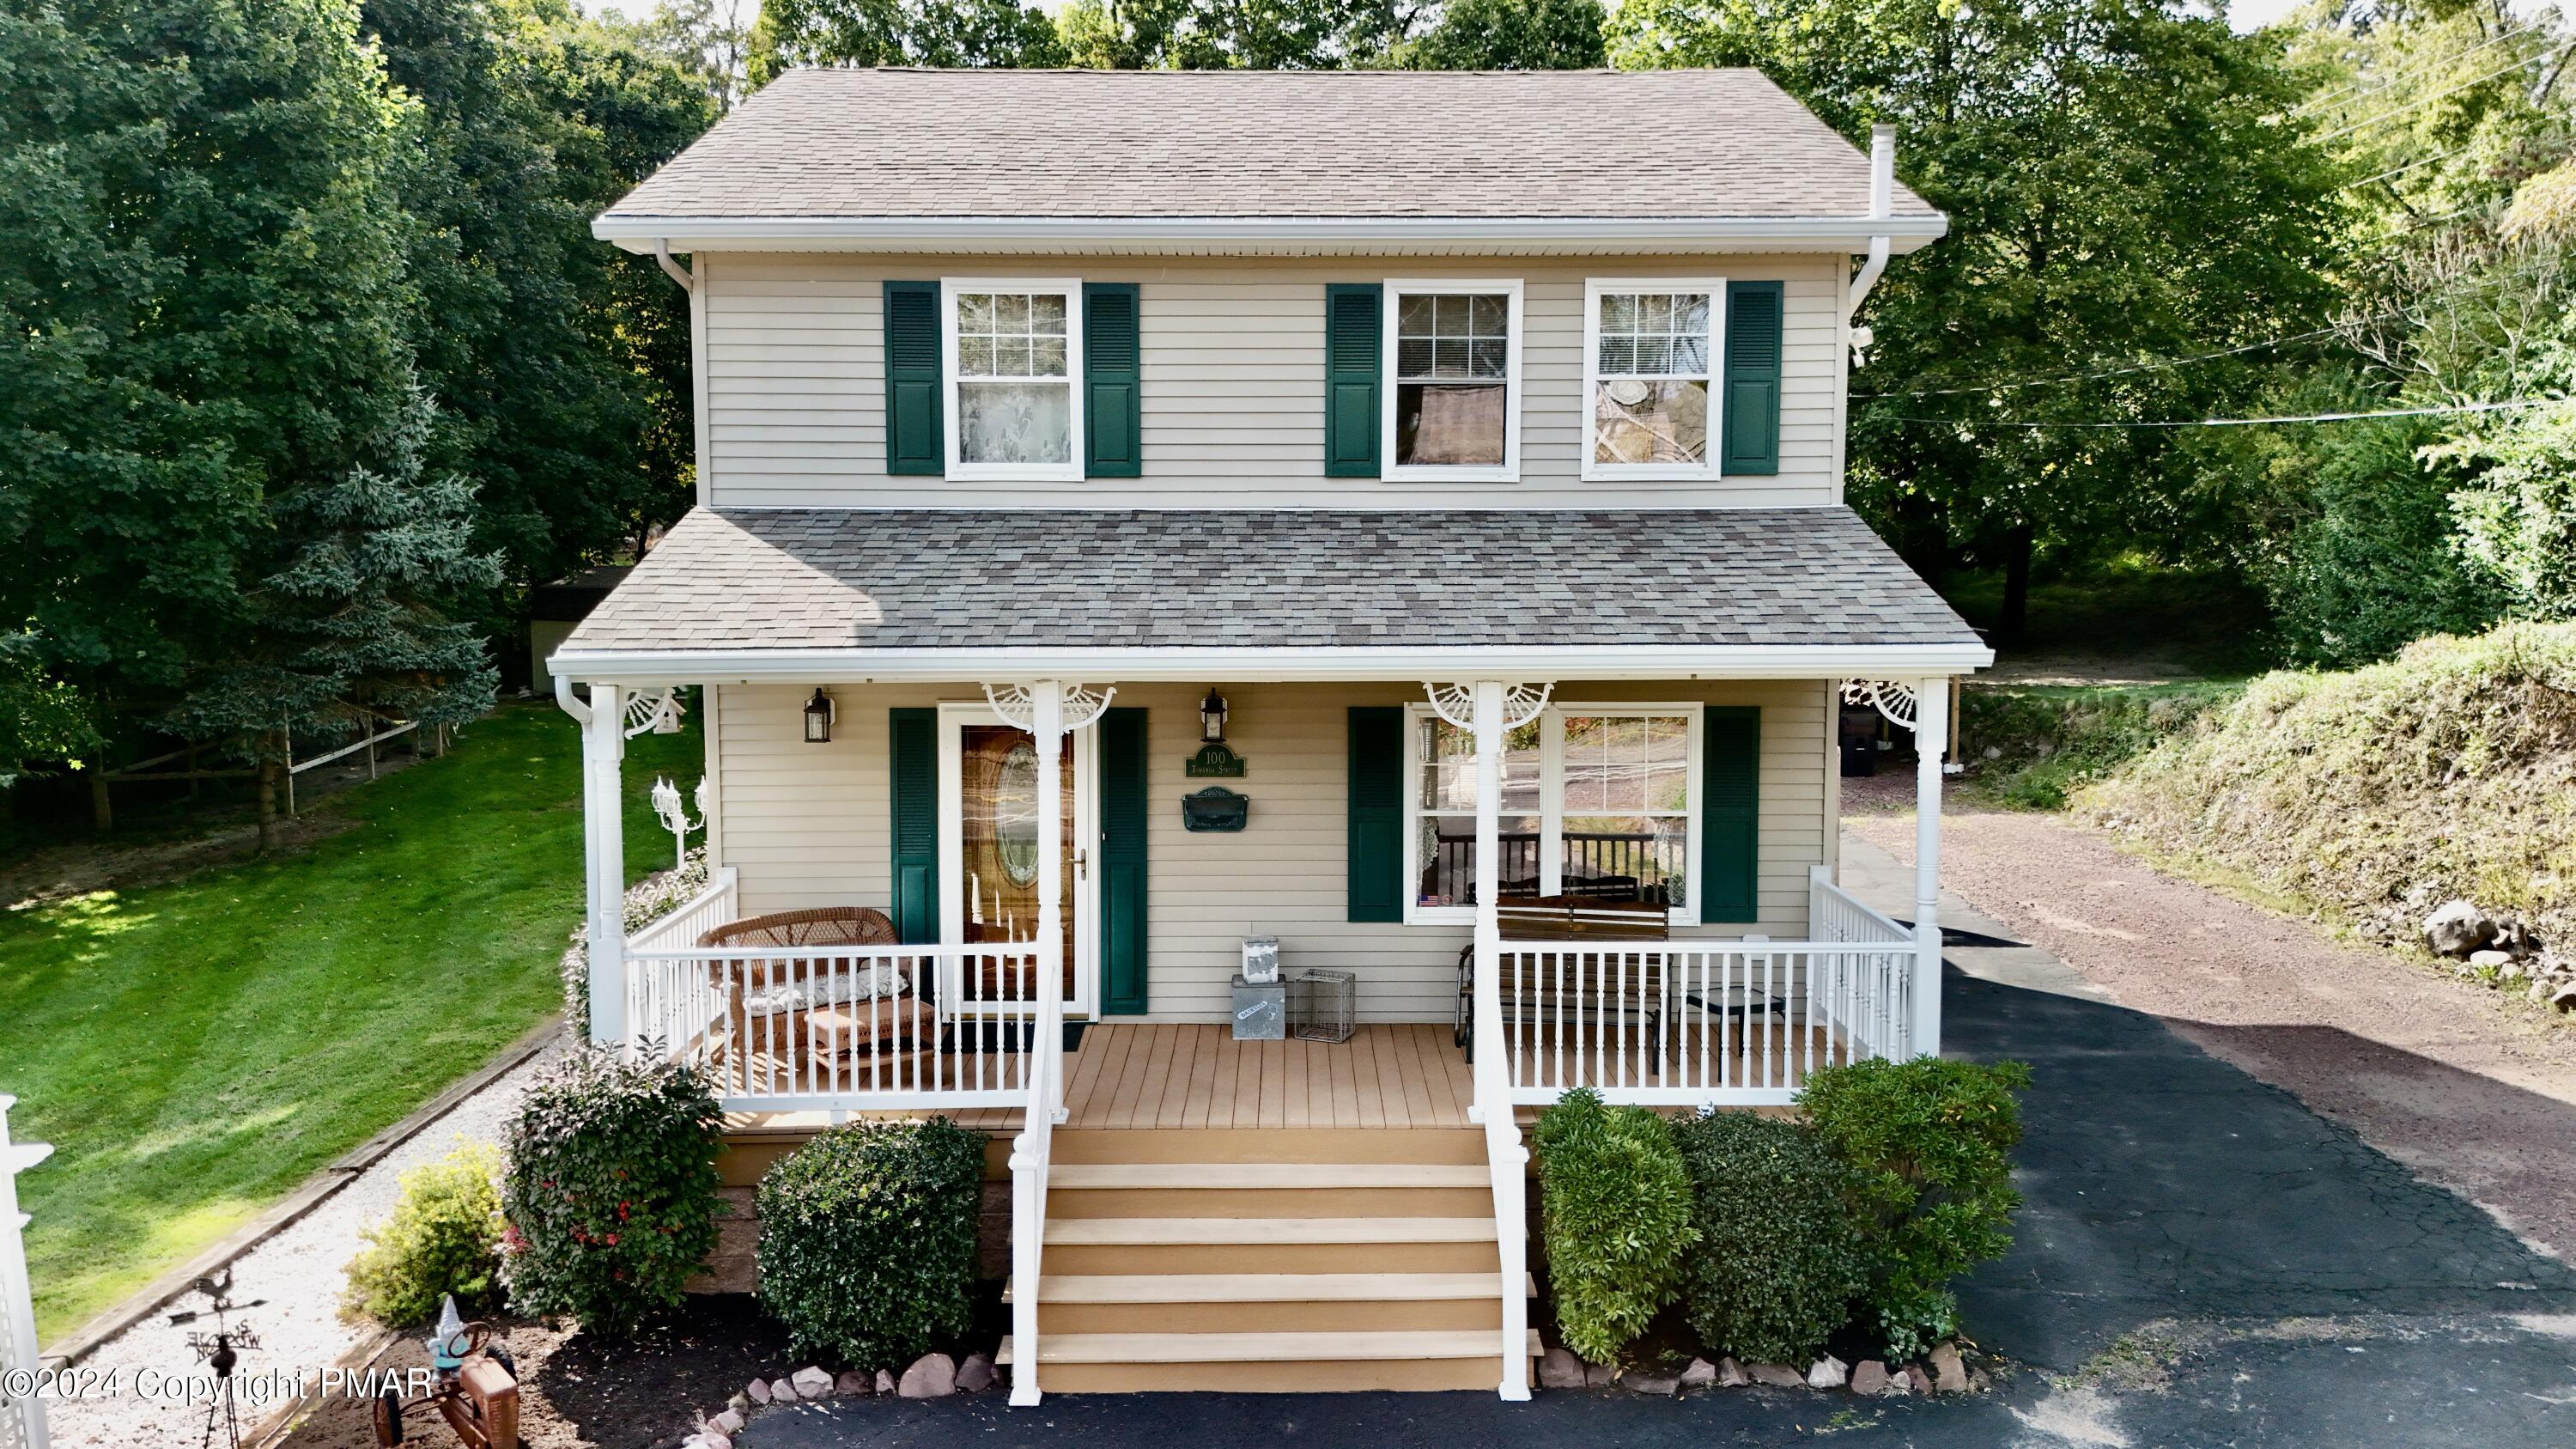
[[444, 1237], [1781, 1258], [611, 1191], [1928, 1144], [867, 1240], [1615, 1217]]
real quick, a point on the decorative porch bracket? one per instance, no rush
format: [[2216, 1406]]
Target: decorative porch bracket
[[1894, 699], [1049, 710], [1491, 709], [1923, 706]]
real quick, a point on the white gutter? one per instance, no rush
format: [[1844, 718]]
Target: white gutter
[[1267, 665], [643, 233]]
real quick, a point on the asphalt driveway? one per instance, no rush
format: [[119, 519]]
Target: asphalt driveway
[[2201, 1261]]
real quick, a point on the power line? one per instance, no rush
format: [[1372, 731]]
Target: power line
[[2409, 166], [2156, 366], [2493, 407], [2422, 64], [2422, 101]]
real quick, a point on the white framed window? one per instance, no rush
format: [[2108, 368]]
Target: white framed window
[[1453, 381], [1011, 351], [1599, 801], [1650, 357]]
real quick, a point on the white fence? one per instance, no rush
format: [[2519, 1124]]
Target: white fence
[[22, 1414]]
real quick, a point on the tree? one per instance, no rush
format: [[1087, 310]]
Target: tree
[[1234, 34], [1512, 35], [2122, 188], [354, 626], [1001, 33], [514, 327], [707, 39], [130, 307]]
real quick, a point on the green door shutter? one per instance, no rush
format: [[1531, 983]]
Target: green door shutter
[[914, 443], [1354, 318], [1122, 863], [913, 799], [1377, 813], [1752, 378], [1730, 810], [1110, 389]]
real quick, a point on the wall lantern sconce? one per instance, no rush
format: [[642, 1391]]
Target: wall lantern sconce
[[820, 711], [1212, 718]]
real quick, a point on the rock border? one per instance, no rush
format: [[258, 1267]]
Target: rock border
[[931, 1376], [1944, 1371]]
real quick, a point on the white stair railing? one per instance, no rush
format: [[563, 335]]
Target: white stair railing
[[22, 1413]]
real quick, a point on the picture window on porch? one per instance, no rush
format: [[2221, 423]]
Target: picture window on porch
[[1453, 374], [1014, 350], [1650, 362], [1598, 801]]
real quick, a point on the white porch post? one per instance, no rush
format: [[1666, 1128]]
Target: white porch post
[[603, 749], [1503, 1150], [1931, 737], [1046, 724]]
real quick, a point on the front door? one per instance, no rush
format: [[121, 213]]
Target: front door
[[990, 882]]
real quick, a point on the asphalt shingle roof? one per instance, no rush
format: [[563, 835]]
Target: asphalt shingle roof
[[849, 579], [1304, 144]]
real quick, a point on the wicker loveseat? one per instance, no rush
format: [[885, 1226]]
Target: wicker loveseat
[[794, 1007]]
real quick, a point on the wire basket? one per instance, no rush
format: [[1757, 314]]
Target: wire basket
[[1320, 1005]]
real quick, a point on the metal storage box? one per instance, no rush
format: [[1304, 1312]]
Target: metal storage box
[[1260, 1010]]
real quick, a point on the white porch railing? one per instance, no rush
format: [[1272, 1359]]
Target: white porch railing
[[1705, 1023], [853, 1028]]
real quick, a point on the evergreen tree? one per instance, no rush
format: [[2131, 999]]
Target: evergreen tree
[[355, 625]]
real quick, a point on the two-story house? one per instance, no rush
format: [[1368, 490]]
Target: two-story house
[[1398, 514]]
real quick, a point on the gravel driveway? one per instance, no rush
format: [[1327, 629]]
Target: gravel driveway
[[2459, 1082]]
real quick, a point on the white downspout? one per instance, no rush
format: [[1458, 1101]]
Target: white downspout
[[1882, 199], [687, 276]]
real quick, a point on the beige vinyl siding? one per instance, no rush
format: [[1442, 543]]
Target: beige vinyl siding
[[806, 825], [1233, 377]]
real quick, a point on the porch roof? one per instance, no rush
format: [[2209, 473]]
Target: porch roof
[[788, 593]]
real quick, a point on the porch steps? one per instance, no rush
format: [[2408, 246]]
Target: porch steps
[[1296, 1260], [1268, 1362]]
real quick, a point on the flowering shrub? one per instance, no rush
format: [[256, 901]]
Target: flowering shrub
[[611, 1190]]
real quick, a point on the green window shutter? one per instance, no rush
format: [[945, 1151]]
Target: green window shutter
[[913, 799], [1111, 389], [914, 442], [1752, 378], [1730, 814], [1354, 320], [1122, 863], [1377, 813]]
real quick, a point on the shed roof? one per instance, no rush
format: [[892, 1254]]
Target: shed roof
[[1614, 145], [857, 582]]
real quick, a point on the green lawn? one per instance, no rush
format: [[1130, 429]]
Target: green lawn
[[194, 1050]]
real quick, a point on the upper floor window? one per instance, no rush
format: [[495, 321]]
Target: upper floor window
[[1013, 349], [1453, 364], [1650, 357]]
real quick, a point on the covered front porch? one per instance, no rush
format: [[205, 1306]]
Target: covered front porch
[[967, 860]]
